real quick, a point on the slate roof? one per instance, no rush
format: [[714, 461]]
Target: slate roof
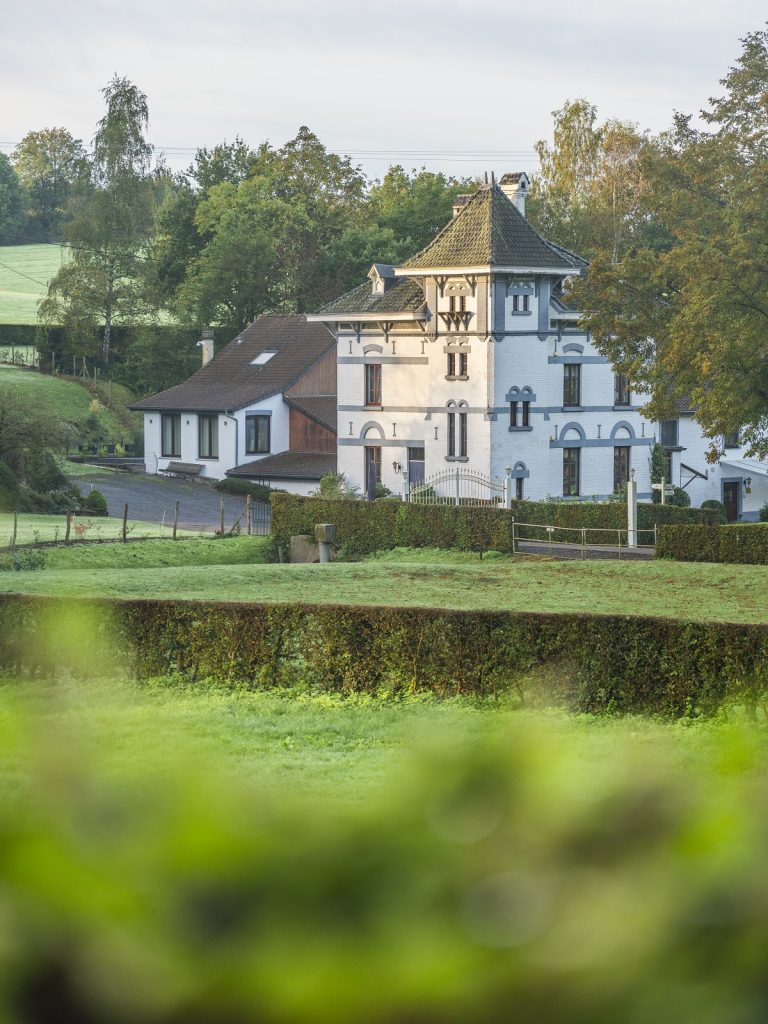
[[287, 466], [230, 382], [406, 296], [488, 231], [320, 408]]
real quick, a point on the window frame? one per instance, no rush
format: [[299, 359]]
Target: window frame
[[212, 419], [571, 470], [175, 419], [619, 477], [372, 385], [622, 391], [571, 383], [256, 450], [664, 427]]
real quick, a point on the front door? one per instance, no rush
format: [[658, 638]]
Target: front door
[[731, 500]]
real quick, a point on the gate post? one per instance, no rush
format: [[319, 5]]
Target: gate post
[[632, 510], [508, 487], [457, 486], [406, 486]]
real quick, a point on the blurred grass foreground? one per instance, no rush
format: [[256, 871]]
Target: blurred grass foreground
[[184, 854]]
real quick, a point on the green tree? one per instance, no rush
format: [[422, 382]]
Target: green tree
[[52, 166], [416, 206], [102, 280], [689, 320], [589, 194], [12, 203]]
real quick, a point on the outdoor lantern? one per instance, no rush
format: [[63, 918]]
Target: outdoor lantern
[[396, 466], [748, 484]]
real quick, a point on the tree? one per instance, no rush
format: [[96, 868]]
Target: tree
[[689, 320], [416, 206], [589, 194], [52, 166], [101, 281], [12, 203]]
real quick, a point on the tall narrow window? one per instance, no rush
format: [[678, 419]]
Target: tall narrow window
[[208, 437], [451, 434], [514, 414], [526, 414], [521, 304], [669, 433], [519, 485], [620, 466], [373, 384], [572, 384], [170, 440], [571, 472], [463, 435], [621, 392], [519, 415], [457, 366], [257, 435], [372, 467]]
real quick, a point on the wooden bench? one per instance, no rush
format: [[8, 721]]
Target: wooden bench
[[187, 470]]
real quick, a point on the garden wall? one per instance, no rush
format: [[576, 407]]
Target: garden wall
[[364, 527], [743, 543], [586, 662]]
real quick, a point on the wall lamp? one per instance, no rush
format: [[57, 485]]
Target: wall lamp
[[396, 466]]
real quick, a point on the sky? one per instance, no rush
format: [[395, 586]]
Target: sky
[[448, 84]]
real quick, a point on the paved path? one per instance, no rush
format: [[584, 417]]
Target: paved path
[[591, 552], [152, 499]]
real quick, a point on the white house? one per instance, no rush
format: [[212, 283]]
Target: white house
[[263, 409], [468, 356]]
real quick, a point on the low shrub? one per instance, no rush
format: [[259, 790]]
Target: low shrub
[[611, 664], [739, 543], [764, 513], [96, 503], [364, 527], [231, 485], [713, 503], [9, 489]]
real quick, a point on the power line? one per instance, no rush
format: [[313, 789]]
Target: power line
[[13, 270]]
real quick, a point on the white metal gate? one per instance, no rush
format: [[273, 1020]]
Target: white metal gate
[[461, 487]]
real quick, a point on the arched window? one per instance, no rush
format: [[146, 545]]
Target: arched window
[[457, 430]]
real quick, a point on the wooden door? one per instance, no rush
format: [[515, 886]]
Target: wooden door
[[731, 500]]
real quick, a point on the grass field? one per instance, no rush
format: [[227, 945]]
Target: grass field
[[36, 529], [701, 592], [70, 402], [25, 271]]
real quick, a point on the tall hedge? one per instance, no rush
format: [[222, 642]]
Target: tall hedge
[[363, 527], [587, 662], [742, 543]]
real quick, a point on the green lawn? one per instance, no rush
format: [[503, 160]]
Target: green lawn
[[25, 271], [35, 529], [696, 591], [158, 554], [71, 402]]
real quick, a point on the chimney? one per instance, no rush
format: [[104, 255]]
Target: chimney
[[206, 343], [515, 188], [459, 203]]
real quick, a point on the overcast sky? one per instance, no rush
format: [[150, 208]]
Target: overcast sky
[[458, 86]]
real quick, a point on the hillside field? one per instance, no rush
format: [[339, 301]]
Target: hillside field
[[25, 271]]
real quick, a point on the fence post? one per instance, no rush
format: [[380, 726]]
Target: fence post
[[458, 484], [15, 530], [406, 486], [248, 513], [514, 549], [125, 523], [583, 544], [69, 526], [221, 515], [632, 510], [175, 520]]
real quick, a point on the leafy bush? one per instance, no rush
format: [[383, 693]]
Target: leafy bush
[[739, 543], [22, 560], [96, 503], [601, 663], [335, 486], [233, 485], [713, 503], [366, 527], [764, 513], [679, 497]]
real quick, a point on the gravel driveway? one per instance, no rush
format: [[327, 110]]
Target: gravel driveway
[[153, 499]]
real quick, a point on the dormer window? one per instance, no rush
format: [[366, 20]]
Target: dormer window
[[262, 358]]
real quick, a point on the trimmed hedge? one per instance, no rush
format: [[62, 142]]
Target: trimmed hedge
[[363, 527], [615, 664], [743, 543]]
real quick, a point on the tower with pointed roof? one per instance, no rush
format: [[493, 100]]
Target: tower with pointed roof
[[468, 356]]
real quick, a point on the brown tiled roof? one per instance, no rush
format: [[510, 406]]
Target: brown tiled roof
[[488, 231], [320, 408], [406, 296], [230, 381], [287, 466]]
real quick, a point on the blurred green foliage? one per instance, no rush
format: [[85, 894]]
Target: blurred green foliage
[[483, 879]]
